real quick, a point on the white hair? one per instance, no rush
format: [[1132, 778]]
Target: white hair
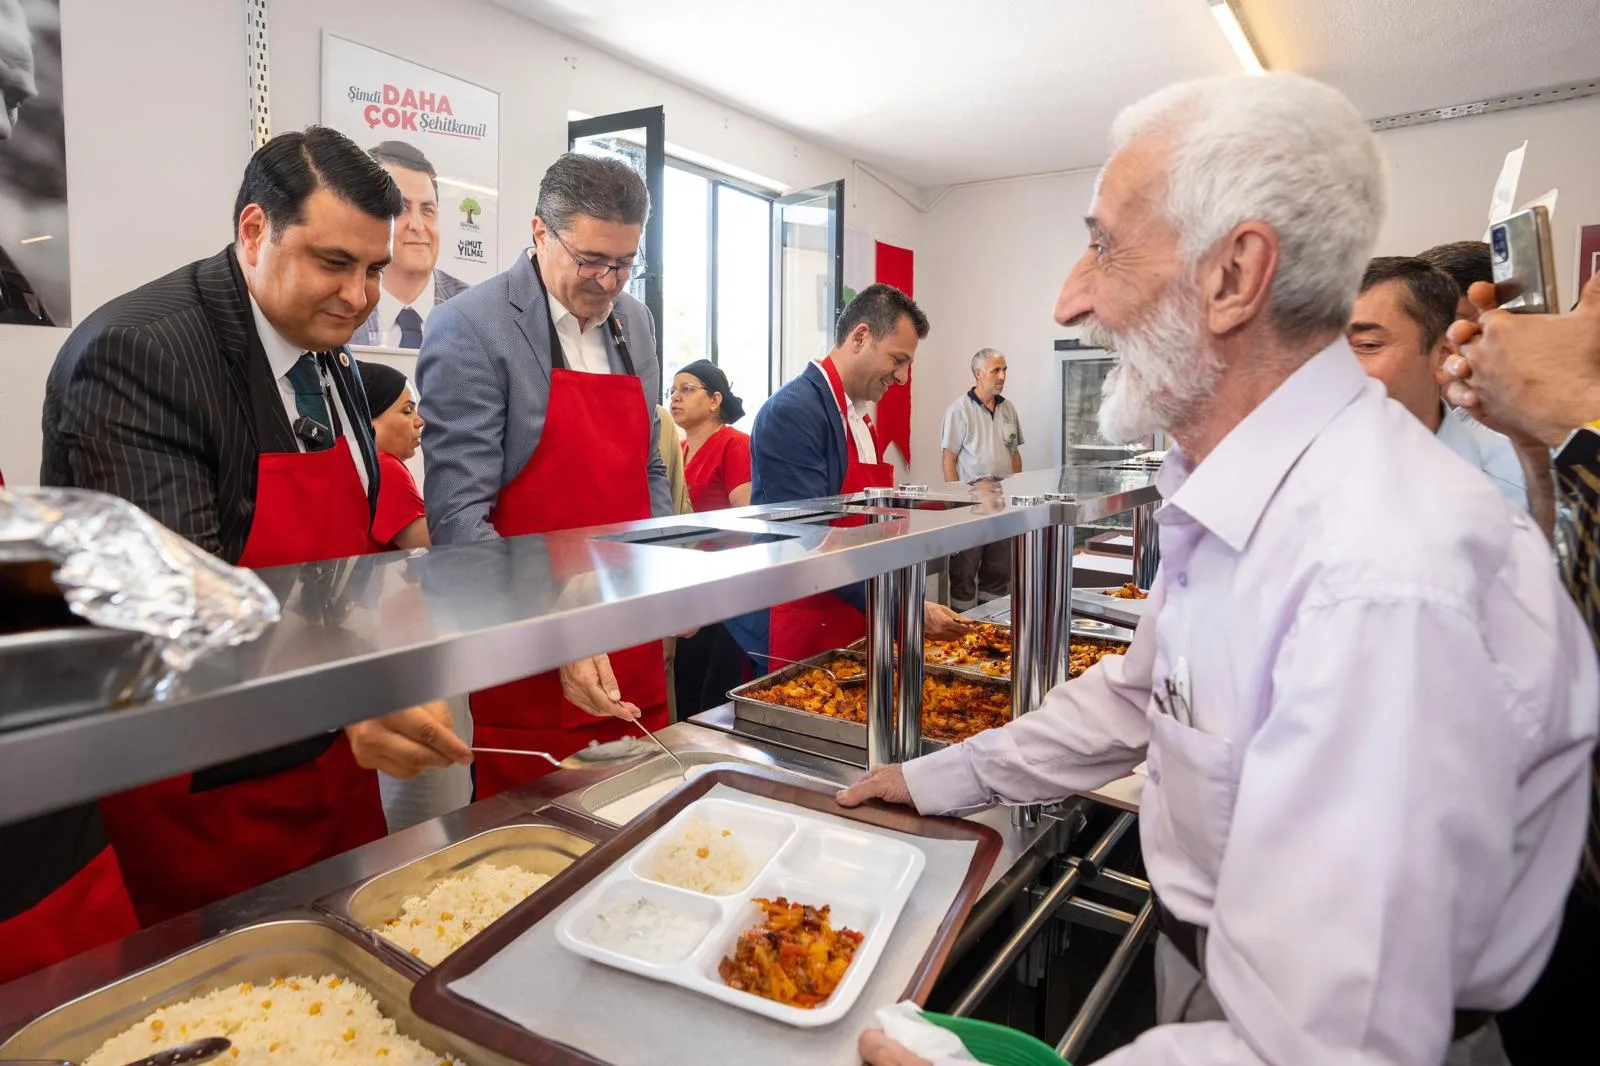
[[1284, 150], [983, 356]]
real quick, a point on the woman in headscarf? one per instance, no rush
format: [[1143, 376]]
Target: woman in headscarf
[[400, 521]]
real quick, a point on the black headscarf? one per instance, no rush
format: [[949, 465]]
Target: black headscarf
[[383, 385], [711, 376]]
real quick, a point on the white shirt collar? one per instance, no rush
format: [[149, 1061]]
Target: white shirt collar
[[389, 305], [281, 355], [566, 319], [1230, 490]]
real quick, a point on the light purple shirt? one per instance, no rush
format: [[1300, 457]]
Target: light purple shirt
[[1379, 808]]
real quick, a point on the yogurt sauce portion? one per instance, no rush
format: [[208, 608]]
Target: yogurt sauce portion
[[643, 930]]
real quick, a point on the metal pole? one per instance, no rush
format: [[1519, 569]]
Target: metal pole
[[883, 596], [1058, 894], [1099, 998], [912, 582], [1028, 577], [1058, 543], [1146, 545]]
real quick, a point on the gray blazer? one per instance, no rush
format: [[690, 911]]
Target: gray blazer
[[485, 354], [444, 287]]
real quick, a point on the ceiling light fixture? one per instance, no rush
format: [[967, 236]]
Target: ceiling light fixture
[[1233, 29], [36, 240]]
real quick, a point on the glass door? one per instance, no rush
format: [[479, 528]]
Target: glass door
[[808, 276], [639, 139]]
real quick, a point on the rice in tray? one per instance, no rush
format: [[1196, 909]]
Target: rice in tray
[[291, 1020], [458, 908], [702, 858]]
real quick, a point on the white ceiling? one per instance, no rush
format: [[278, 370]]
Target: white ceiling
[[944, 91]]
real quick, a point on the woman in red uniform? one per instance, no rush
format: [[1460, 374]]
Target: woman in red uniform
[[400, 520], [717, 469], [716, 457]]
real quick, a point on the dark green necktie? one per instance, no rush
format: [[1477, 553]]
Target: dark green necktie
[[309, 398]]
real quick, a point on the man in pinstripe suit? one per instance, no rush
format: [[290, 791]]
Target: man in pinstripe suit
[[188, 396]]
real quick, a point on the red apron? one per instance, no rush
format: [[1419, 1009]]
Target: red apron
[[90, 909], [181, 849], [818, 623], [588, 470]]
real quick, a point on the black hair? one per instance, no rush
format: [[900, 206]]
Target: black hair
[[406, 157], [881, 307], [602, 188], [1465, 262], [1430, 299], [284, 172], [710, 375]]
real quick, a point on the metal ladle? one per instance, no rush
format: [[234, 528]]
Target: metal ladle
[[194, 1051], [853, 679]]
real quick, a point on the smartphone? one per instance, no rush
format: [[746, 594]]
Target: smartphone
[[1524, 262]]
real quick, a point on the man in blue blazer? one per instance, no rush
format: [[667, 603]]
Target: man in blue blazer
[[814, 438]]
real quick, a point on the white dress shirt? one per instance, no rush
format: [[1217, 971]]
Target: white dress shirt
[[282, 356], [389, 308], [1378, 809], [1491, 452], [585, 347], [855, 417]]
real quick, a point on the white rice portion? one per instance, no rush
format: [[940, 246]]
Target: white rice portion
[[291, 1020], [702, 858], [456, 909]]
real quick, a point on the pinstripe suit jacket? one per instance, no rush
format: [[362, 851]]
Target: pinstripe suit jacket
[[164, 397]]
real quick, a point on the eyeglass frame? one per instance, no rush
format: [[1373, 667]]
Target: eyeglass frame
[[685, 390], [624, 271]]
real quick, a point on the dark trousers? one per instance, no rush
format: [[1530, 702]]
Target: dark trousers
[[984, 571], [706, 666], [1556, 1023]]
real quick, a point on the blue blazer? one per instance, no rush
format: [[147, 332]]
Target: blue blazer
[[797, 452]]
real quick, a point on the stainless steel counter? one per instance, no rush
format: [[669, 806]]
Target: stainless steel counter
[[361, 637], [23, 1000]]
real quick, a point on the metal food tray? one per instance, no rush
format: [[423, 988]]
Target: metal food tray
[[1090, 632], [531, 843], [298, 944], [853, 734]]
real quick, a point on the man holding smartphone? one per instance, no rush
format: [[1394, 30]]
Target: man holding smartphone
[[1537, 378]]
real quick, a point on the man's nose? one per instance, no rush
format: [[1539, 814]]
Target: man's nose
[[1077, 292]]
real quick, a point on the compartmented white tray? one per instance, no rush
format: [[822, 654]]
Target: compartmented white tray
[[865, 879]]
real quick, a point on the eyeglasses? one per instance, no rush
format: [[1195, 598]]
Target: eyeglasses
[[594, 269], [685, 390]]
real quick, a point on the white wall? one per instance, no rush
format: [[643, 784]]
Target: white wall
[[992, 258], [151, 187]]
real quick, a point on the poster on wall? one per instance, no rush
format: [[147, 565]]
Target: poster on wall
[[439, 138], [35, 285]]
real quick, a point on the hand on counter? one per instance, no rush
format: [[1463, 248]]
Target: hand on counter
[[591, 686], [941, 623], [1531, 377], [876, 1049], [887, 783], [408, 742]]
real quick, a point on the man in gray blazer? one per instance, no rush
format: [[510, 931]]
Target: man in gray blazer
[[540, 388]]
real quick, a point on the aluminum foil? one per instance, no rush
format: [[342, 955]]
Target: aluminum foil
[[120, 568]]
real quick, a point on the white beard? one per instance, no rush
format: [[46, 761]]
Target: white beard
[[1163, 371]]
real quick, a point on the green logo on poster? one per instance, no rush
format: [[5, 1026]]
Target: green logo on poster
[[471, 208]]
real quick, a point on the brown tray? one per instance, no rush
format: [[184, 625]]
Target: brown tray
[[826, 727], [433, 1001]]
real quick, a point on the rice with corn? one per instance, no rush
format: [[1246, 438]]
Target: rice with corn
[[458, 908], [702, 858], [290, 1020]]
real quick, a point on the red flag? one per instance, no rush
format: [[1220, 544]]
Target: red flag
[[894, 410]]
